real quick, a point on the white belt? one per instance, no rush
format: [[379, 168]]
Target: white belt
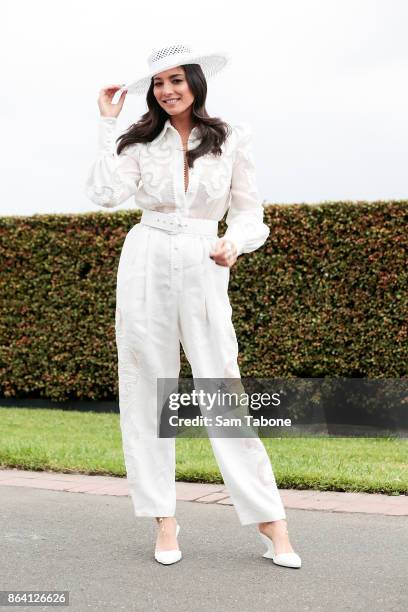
[[175, 223]]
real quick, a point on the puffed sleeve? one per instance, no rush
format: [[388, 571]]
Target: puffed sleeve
[[245, 226], [112, 178]]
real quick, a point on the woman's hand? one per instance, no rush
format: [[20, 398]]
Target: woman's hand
[[106, 94], [224, 253]]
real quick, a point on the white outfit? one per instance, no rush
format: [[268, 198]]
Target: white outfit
[[169, 291]]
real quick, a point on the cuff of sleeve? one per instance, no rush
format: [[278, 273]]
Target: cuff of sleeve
[[107, 133], [237, 239]]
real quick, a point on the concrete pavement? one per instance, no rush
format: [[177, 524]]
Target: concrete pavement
[[92, 546]]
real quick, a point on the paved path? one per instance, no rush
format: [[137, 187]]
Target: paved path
[[395, 505], [92, 546]]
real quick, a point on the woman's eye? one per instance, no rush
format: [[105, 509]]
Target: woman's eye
[[175, 81]]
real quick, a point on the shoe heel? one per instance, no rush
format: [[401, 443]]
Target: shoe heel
[[269, 552], [285, 559]]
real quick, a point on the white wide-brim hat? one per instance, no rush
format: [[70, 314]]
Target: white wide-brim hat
[[177, 55]]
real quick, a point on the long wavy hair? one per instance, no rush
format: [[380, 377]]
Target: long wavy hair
[[212, 130]]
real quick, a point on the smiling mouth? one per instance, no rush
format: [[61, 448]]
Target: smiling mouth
[[171, 101]]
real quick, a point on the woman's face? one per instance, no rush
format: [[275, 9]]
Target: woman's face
[[169, 85]]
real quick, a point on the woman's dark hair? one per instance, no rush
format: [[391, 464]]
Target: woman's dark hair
[[212, 130]]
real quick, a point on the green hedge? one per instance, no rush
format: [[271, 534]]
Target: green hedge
[[325, 296]]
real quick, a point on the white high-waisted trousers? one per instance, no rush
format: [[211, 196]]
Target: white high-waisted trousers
[[169, 291]]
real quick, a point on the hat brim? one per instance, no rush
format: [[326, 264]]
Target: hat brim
[[210, 64]]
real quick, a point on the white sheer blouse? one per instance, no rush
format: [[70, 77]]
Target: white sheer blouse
[[154, 173]]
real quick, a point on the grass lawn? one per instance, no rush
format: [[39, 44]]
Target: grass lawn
[[90, 443]]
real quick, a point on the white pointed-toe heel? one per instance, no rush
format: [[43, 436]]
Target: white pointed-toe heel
[[167, 557], [290, 559]]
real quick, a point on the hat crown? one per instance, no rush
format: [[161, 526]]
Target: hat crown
[[169, 56], [165, 52]]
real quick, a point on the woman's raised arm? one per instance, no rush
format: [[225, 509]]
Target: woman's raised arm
[[112, 178]]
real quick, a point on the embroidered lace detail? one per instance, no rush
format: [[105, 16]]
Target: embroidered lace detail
[[156, 163], [154, 173], [216, 175]]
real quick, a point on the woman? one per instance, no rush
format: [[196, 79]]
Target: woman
[[182, 166]]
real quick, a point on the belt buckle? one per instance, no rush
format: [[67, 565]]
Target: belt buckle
[[175, 224], [166, 224], [172, 230], [172, 224]]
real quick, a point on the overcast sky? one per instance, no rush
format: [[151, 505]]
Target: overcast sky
[[323, 83]]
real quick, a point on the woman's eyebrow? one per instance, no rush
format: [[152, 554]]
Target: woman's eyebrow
[[172, 75]]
